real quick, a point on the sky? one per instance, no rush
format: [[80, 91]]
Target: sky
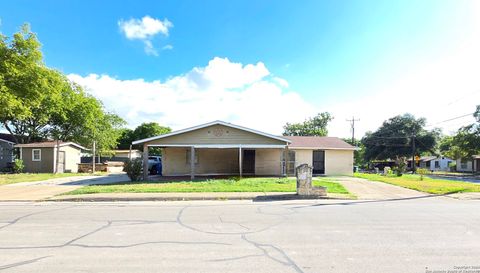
[[261, 64]]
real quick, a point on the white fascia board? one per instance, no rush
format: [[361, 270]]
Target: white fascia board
[[220, 146], [217, 122], [323, 148]]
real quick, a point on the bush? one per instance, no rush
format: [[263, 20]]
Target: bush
[[422, 172], [18, 166], [401, 166], [133, 168]]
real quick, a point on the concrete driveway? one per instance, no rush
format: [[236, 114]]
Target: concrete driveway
[[41, 190], [372, 190], [410, 235]]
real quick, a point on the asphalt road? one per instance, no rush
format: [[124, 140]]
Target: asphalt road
[[406, 235]]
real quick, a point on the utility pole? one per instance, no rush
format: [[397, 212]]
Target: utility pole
[[352, 123], [413, 154]]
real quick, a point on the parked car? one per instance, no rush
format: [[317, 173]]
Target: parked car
[[155, 165]]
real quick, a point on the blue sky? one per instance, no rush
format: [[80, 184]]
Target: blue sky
[[331, 53]]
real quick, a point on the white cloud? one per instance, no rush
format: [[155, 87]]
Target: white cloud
[[167, 47], [145, 29], [242, 94]]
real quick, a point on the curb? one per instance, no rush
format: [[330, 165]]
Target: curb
[[191, 198]]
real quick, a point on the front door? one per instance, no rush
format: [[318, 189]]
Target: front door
[[61, 162], [318, 162], [248, 164]]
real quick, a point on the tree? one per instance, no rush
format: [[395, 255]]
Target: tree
[[29, 91], [394, 138], [466, 142], [144, 130], [359, 153], [316, 126], [38, 102]]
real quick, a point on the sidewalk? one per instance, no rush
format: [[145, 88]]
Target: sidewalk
[[42, 190]]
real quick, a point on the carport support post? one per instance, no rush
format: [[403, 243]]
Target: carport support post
[[285, 157], [192, 163], [240, 163], [145, 162]]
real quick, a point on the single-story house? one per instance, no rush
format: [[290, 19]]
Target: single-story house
[[472, 165], [7, 142], [432, 163], [221, 148], [50, 156]]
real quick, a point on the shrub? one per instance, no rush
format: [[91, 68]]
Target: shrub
[[134, 168], [401, 166], [18, 166], [422, 172]]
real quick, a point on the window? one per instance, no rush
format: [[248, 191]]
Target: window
[[36, 155], [463, 165], [189, 156]]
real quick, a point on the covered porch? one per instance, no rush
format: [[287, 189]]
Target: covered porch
[[222, 160], [218, 148]]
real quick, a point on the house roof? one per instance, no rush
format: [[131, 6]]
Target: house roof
[[217, 122], [7, 138], [316, 142], [50, 144]]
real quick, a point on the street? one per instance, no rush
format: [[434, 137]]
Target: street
[[399, 235]]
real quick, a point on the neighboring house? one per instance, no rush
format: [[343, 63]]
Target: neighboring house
[[46, 157], [6, 150], [220, 148], [118, 155], [432, 163], [124, 155], [472, 165]]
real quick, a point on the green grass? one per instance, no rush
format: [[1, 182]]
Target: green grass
[[30, 177], [214, 185], [430, 185]]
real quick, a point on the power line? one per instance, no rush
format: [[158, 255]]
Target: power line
[[447, 120]]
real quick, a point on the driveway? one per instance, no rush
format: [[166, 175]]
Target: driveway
[[41, 190], [372, 190], [411, 235]]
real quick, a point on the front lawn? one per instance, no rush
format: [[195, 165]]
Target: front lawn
[[430, 185], [31, 177], [258, 184]]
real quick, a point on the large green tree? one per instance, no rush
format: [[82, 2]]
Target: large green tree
[[466, 142], [316, 126], [29, 91], [394, 138], [38, 102], [144, 130]]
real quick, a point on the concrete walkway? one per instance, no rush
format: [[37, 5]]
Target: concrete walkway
[[41, 190], [372, 190]]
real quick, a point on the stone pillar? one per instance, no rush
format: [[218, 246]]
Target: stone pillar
[[304, 183]]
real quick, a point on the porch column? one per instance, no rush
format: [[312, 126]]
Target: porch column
[[285, 156], [192, 162], [240, 163], [145, 162]]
